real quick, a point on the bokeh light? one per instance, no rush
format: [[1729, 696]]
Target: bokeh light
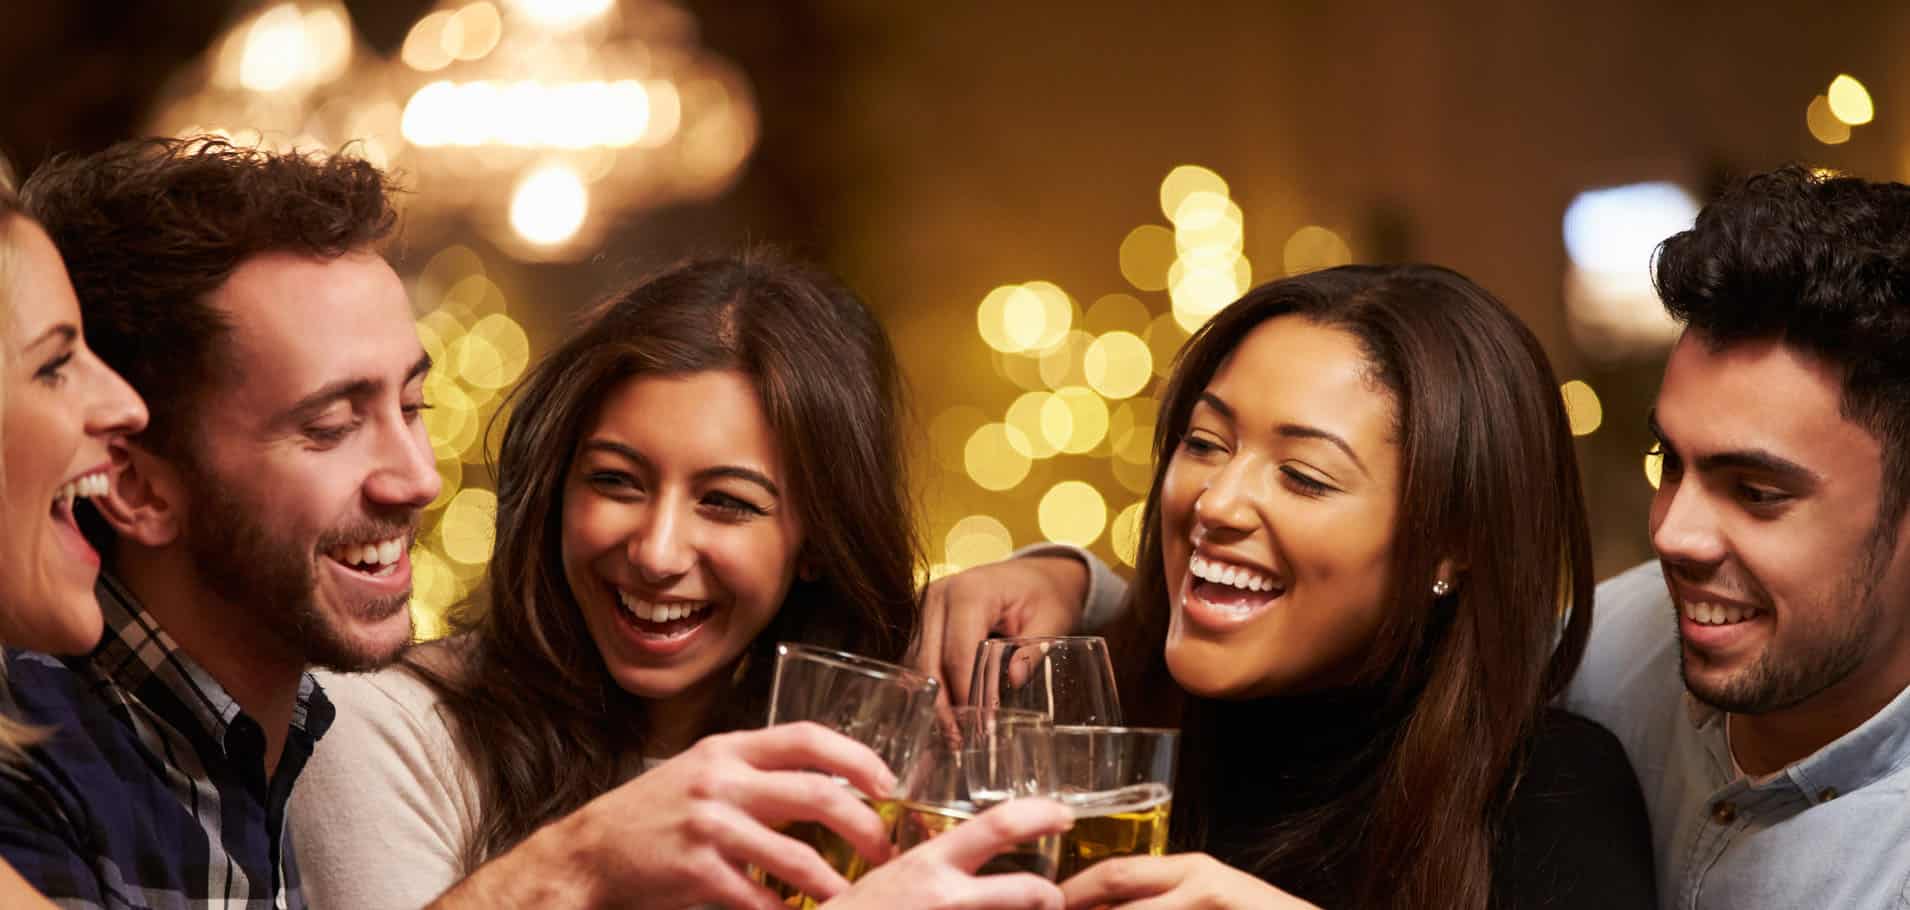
[[1146, 253], [549, 206], [1065, 363], [1025, 415], [1124, 536], [1116, 313], [994, 457], [1186, 180], [1086, 423], [1849, 101], [494, 354], [977, 540], [1610, 233], [1824, 125], [1164, 337], [1582, 408], [1072, 512], [1312, 248], [1654, 467], [469, 526], [1118, 365]]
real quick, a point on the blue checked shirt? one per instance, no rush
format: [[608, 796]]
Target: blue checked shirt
[[151, 789]]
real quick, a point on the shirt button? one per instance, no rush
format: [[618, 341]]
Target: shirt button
[[1723, 813], [1828, 794]]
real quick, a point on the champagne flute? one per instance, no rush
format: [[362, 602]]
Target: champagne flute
[[1069, 678]]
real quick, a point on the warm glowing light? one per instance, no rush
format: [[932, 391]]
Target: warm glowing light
[[494, 354], [1824, 125], [1116, 313], [1199, 291], [1024, 319], [1026, 415], [1849, 101], [424, 47], [561, 14], [991, 318], [994, 457], [1063, 364], [1610, 234], [1186, 180], [286, 48], [1131, 430], [433, 590], [977, 540], [473, 31], [451, 471], [1582, 408], [1134, 478], [1145, 255], [1312, 248], [528, 114], [469, 526], [1118, 365], [549, 206], [1654, 467], [1209, 227], [1125, 534], [451, 421], [948, 434], [1087, 422], [1057, 310], [1072, 512]]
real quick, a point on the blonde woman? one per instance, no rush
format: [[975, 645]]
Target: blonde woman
[[59, 409]]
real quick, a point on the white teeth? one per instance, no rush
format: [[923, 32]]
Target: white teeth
[[1714, 614], [1233, 576], [380, 558], [655, 612], [83, 487]]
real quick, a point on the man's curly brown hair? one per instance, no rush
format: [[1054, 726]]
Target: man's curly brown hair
[[150, 228]]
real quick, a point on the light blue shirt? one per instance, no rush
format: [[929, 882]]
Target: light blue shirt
[[1831, 830]]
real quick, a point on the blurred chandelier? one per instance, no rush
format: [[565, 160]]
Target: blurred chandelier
[[540, 122]]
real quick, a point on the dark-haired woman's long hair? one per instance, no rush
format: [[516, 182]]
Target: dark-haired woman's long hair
[[1452, 687], [537, 714]]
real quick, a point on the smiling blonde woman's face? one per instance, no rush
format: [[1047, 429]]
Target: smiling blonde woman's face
[[1277, 516], [62, 406]]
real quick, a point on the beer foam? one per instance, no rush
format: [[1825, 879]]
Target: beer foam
[[1137, 798]]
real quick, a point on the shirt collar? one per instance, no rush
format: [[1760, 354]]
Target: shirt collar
[[1874, 750], [135, 653]]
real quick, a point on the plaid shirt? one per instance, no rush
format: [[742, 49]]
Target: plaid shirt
[[151, 789]]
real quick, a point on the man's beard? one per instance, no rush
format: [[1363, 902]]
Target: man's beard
[[242, 560], [1785, 677]]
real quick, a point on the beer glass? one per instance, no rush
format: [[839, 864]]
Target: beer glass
[[982, 757], [1069, 678], [889, 708], [1119, 782]]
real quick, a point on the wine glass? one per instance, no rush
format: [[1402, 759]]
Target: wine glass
[[981, 758], [1069, 678]]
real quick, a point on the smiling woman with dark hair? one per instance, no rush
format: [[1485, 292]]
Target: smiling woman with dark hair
[[710, 466]]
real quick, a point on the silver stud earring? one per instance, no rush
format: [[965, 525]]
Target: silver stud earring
[[1441, 587]]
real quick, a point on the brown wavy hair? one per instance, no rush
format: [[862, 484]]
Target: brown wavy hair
[[150, 228], [1490, 480], [538, 715], [15, 737]]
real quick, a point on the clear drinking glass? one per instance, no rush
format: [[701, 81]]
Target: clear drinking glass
[[887, 707], [1067, 677], [1119, 782], [981, 758]]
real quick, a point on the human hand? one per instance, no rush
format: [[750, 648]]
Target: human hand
[[1033, 595], [940, 874], [1185, 881], [682, 833]]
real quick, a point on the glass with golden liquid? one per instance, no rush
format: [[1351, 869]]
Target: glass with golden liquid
[[983, 757], [1119, 781], [887, 707]]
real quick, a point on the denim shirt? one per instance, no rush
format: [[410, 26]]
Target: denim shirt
[[1829, 830]]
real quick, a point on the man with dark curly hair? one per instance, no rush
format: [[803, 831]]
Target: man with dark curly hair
[[1775, 776]]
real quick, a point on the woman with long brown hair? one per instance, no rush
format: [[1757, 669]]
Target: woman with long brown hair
[[1364, 572], [710, 466]]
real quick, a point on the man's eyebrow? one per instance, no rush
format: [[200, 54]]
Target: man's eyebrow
[[345, 389], [1761, 461]]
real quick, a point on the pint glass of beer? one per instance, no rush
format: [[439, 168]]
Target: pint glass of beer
[[981, 758], [1119, 783], [1067, 677], [889, 708]]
